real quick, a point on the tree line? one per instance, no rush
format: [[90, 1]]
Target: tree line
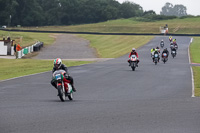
[[68, 12], [64, 12]]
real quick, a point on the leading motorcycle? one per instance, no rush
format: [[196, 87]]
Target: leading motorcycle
[[63, 85], [133, 62]]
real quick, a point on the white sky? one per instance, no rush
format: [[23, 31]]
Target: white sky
[[193, 6]]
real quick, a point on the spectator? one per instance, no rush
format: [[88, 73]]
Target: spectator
[[18, 48]]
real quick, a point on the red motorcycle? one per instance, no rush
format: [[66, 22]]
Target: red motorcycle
[[164, 57], [63, 85]]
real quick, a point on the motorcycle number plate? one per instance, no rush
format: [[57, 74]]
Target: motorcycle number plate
[[58, 76]]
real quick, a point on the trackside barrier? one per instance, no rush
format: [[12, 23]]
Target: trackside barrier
[[35, 47]]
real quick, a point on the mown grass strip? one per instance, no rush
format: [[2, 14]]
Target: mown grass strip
[[11, 68], [195, 54], [196, 71], [195, 50], [111, 46], [131, 25]]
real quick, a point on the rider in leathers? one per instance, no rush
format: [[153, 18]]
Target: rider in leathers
[[63, 67], [133, 52], [165, 51]]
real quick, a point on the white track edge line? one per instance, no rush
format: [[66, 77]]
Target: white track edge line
[[193, 94]]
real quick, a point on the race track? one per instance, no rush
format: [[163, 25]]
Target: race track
[[110, 98]]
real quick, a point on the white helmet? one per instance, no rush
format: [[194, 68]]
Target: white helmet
[[57, 63], [133, 49]]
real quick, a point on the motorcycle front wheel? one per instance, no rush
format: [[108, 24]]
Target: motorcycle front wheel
[[61, 93]]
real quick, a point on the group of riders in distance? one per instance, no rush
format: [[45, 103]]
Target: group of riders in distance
[[155, 53], [64, 83]]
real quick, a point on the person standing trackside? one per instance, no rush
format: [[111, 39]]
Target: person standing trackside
[[14, 48], [18, 48]]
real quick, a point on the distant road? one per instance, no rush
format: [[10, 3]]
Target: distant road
[[110, 98]]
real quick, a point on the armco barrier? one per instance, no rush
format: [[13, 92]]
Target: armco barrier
[[30, 49]]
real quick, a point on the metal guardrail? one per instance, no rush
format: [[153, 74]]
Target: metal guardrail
[[30, 49]]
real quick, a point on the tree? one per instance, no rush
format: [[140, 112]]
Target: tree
[[130, 9], [177, 10]]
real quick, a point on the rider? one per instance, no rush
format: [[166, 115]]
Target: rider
[[133, 52], [152, 52], [158, 49], [162, 42], [173, 48], [170, 38], [165, 51], [174, 43], [156, 52], [57, 66]]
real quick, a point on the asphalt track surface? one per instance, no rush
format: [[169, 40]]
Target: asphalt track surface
[[110, 98]]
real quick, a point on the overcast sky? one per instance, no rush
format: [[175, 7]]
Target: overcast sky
[[193, 6]]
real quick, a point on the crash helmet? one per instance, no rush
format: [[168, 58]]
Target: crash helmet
[[57, 63], [133, 49]]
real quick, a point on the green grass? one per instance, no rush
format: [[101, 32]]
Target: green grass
[[28, 38], [195, 54], [19, 67], [131, 25], [115, 46], [195, 50], [196, 71]]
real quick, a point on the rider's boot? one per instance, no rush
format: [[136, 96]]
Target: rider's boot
[[73, 88]]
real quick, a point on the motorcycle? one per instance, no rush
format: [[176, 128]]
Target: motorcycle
[[133, 62], [161, 44], [176, 47], [156, 56], [173, 52], [170, 39], [63, 85], [171, 46], [164, 57]]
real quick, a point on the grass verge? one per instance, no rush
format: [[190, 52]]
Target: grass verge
[[112, 46], [131, 25], [28, 38], [195, 54], [196, 71], [20, 67]]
